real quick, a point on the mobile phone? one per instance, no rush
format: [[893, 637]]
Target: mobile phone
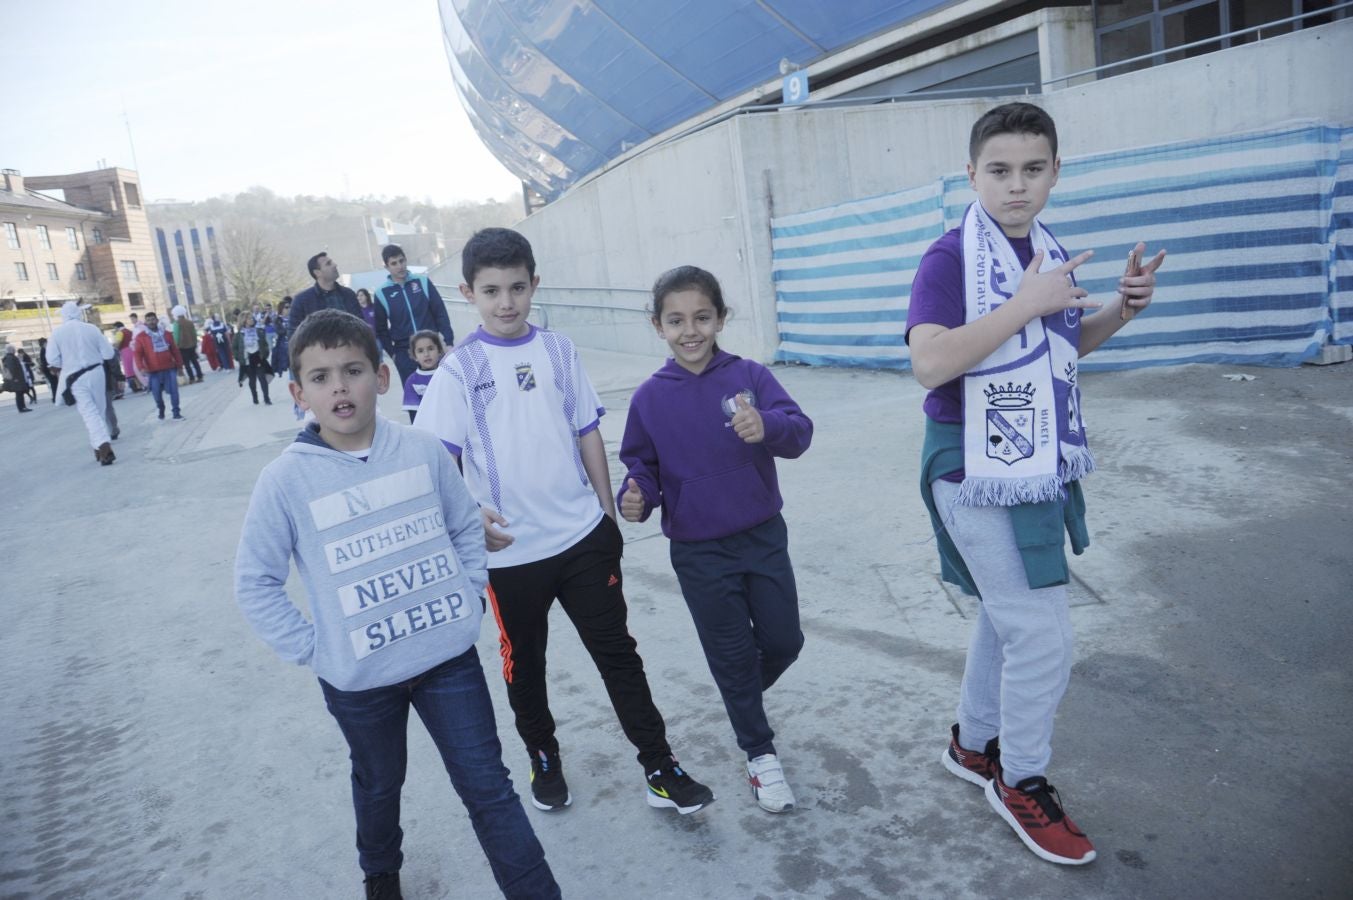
[[1134, 267]]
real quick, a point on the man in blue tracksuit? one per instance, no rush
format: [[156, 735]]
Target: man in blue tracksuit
[[411, 303]]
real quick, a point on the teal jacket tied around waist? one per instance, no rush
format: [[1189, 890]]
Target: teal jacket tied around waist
[[1039, 527]]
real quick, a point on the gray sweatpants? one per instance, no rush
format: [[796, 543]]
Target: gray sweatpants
[[1019, 658]]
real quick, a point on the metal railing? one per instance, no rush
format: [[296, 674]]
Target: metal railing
[[543, 301], [939, 93], [544, 296], [974, 90], [1257, 30]]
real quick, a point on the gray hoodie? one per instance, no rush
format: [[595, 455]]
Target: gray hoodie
[[390, 550]]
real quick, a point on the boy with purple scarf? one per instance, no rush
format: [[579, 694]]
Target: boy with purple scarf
[[996, 328]]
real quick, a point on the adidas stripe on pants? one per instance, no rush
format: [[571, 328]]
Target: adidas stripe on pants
[[587, 581]]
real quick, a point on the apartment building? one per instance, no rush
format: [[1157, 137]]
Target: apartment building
[[82, 236]]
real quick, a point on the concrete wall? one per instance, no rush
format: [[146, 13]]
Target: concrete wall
[[605, 243], [707, 199]]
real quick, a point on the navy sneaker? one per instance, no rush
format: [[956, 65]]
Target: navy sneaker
[[384, 886]]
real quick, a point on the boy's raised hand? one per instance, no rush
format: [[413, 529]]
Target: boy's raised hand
[[747, 421], [1047, 292], [632, 502], [494, 539], [1138, 289]]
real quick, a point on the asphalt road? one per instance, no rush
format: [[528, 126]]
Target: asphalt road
[[153, 748]]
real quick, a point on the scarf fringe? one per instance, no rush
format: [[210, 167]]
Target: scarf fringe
[[1077, 462], [1008, 491]]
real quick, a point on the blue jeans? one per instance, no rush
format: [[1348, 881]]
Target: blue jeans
[[453, 701], [165, 378]]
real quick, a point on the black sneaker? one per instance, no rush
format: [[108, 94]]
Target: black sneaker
[[548, 788], [384, 886], [671, 788]]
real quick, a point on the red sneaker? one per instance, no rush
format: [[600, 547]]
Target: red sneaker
[[1034, 810], [978, 768]]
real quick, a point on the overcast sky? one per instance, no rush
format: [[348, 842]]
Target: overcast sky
[[344, 97]]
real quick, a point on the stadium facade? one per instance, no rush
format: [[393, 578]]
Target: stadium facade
[[696, 132]]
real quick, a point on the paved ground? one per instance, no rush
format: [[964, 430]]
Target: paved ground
[[152, 747]]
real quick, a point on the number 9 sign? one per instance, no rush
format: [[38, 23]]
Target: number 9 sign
[[796, 87]]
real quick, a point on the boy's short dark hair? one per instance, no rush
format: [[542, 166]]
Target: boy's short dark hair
[[331, 328], [312, 264], [1011, 118], [496, 248], [390, 252]]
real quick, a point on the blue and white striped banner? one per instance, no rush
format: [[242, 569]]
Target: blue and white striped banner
[[1257, 272], [1341, 244], [843, 274]]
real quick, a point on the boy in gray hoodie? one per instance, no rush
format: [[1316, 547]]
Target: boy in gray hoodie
[[389, 545]]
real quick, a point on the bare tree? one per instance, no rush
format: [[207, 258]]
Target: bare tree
[[154, 299], [255, 270]]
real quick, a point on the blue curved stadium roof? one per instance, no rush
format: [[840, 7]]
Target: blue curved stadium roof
[[557, 88]]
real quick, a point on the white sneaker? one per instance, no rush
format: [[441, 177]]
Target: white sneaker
[[768, 784]]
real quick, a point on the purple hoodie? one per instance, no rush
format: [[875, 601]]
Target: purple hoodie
[[684, 455]]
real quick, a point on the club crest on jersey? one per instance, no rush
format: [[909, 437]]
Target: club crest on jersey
[[526, 379], [1010, 422]]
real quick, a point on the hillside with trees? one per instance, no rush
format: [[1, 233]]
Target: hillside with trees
[[264, 239]]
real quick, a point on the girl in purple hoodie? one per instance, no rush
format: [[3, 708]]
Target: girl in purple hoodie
[[700, 442]]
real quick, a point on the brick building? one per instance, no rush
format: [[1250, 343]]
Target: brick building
[[93, 245]]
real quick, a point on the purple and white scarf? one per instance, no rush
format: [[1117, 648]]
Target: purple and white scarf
[[1023, 435]]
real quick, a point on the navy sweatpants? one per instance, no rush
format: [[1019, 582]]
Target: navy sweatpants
[[741, 593]]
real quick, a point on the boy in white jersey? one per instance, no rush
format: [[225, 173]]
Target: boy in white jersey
[[513, 403]]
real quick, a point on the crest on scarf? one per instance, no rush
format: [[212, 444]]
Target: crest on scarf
[[526, 379], [1010, 422]]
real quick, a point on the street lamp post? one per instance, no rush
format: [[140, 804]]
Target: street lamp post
[[366, 236]]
